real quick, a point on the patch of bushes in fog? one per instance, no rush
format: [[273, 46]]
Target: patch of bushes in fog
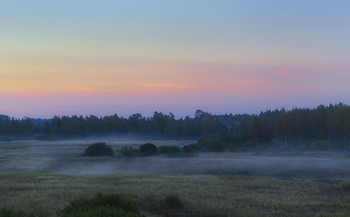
[[99, 149], [148, 149], [190, 150], [128, 151], [212, 144], [169, 150]]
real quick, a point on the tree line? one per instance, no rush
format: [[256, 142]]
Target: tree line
[[162, 125], [324, 127], [321, 128]]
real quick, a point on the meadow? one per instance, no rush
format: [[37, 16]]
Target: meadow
[[41, 176]]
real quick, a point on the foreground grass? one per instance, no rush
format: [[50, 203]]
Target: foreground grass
[[199, 195]]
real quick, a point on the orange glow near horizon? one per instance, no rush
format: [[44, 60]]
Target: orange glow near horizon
[[44, 87], [96, 77]]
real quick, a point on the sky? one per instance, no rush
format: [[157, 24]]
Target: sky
[[89, 57]]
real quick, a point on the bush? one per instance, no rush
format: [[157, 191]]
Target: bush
[[4, 212], [128, 151], [190, 149], [99, 149], [169, 150], [148, 149], [231, 147], [173, 202], [211, 144], [109, 205], [346, 186]]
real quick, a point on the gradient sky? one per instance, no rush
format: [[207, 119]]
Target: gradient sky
[[103, 57]]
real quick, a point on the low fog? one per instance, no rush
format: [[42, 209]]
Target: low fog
[[65, 157]]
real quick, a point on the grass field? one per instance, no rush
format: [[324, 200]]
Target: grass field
[[201, 195], [44, 176]]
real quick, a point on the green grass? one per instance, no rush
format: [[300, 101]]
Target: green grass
[[107, 205], [173, 202], [200, 195]]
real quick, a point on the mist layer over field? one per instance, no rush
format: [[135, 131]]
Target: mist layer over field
[[65, 157]]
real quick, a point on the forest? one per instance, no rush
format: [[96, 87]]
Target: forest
[[321, 128]]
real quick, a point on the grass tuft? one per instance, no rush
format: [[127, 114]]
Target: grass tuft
[[173, 201], [108, 205], [4, 212]]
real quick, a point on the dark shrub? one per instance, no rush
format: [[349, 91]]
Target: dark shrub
[[169, 150], [346, 186], [109, 205], [99, 149], [173, 202], [231, 147], [11, 213], [190, 149], [128, 151], [148, 149], [211, 144]]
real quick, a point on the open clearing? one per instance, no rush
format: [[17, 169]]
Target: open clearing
[[43, 176], [202, 195]]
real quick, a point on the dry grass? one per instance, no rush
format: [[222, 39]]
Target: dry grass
[[201, 195]]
